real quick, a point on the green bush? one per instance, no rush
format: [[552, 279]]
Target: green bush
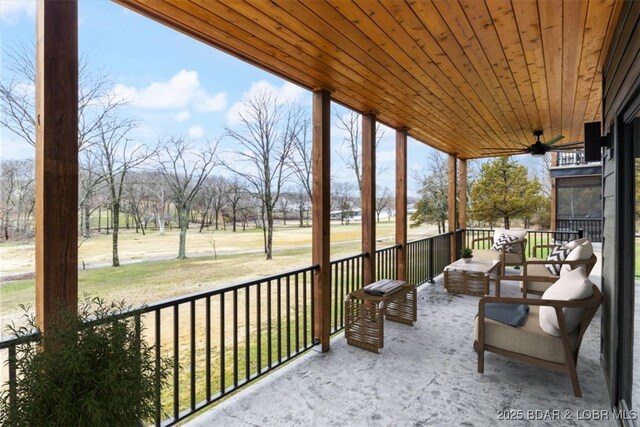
[[466, 253], [88, 369]]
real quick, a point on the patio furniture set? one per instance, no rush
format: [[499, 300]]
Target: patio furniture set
[[548, 336]]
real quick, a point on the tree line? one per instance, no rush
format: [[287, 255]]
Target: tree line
[[498, 190], [173, 180]]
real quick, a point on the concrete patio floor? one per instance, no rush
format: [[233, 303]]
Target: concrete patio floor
[[426, 374]]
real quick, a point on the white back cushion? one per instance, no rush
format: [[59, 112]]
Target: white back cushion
[[575, 243], [572, 285], [580, 252]]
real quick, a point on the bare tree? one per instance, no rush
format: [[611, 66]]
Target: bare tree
[[89, 179], [96, 101], [342, 196], [302, 200], [350, 123], [384, 200], [301, 160], [203, 201], [97, 105], [117, 155], [433, 188], [185, 169], [235, 192], [17, 197], [265, 139], [138, 199], [218, 198]]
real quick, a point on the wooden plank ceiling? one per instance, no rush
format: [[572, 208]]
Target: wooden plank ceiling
[[464, 76]]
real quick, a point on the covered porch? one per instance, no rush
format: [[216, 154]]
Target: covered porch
[[426, 374], [475, 81]]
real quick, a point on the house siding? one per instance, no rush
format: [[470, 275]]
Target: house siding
[[621, 86]]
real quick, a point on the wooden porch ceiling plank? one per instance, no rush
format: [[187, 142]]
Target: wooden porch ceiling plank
[[195, 26], [588, 70], [574, 17], [594, 107], [300, 33], [264, 24], [528, 24], [460, 28], [460, 75], [506, 27], [550, 16], [376, 21], [454, 62], [483, 26], [331, 18]]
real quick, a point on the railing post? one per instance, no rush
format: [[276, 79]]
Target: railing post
[[401, 204], [431, 259], [321, 225], [369, 197], [580, 233], [452, 216]]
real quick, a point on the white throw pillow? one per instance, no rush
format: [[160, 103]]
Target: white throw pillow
[[575, 243], [572, 285], [520, 234], [580, 252]]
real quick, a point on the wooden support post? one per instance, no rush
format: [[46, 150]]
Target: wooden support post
[[401, 204], [462, 199], [321, 154], [554, 190], [451, 217], [368, 199], [56, 205]]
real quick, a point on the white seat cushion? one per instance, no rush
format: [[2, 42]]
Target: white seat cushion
[[528, 339], [572, 285]]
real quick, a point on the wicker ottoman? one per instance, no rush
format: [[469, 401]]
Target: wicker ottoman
[[470, 277], [364, 315]]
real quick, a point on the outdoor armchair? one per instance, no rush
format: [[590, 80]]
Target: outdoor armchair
[[505, 258], [536, 267], [530, 343]]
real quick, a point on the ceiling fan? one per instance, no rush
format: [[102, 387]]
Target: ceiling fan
[[538, 148]]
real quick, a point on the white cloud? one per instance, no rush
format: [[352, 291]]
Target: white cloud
[[287, 93], [12, 10], [182, 116], [196, 132], [183, 90]]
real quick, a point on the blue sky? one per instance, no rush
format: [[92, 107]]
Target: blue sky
[[176, 84]]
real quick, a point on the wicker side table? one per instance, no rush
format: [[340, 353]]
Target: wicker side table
[[470, 277], [365, 313]]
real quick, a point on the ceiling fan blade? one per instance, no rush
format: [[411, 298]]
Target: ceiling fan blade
[[497, 153], [571, 146], [504, 149], [552, 141]]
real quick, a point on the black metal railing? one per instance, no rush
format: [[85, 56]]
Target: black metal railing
[[346, 277], [570, 158], [592, 226], [386, 262], [426, 258], [223, 339], [219, 340], [534, 238]]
